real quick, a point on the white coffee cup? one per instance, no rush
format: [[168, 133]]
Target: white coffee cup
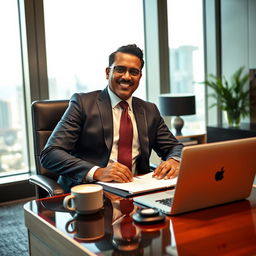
[[84, 199]]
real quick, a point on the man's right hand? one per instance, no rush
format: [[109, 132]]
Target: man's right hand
[[113, 172]]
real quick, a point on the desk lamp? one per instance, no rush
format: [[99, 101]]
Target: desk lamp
[[177, 105]]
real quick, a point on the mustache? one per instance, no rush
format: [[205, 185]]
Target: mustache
[[123, 81]]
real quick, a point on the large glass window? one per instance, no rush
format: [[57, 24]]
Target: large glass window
[[185, 24], [80, 35], [13, 146]]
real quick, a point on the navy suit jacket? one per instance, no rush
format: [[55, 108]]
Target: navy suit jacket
[[83, 138]]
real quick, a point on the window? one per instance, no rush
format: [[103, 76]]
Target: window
[[13, 146], [185, 24], [80, 35]]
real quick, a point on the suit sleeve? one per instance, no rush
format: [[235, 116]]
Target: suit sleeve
[[165, 144], [57, 154]]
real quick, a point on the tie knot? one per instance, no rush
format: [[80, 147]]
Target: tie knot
[[124, 105]]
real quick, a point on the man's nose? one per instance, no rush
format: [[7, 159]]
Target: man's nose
[[126, 75]]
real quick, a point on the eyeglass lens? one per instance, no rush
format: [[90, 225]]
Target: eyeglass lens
[[123, 69]]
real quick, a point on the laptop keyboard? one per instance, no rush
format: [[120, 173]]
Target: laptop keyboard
[[165, 201]]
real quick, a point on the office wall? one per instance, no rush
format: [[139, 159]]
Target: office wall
[[238, 19], [252, 33], [237, 36]]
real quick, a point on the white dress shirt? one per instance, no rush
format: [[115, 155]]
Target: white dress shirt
[[117, 112]]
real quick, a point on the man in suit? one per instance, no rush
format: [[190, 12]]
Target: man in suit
[[85, 145]]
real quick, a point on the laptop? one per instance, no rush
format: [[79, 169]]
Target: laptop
[[210, 174]]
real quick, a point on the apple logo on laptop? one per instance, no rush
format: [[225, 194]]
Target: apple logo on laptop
[[219, 174]]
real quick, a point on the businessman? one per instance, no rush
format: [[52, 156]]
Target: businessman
[[108, 135]]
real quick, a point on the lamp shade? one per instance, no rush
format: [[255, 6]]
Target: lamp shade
[[177, 104]]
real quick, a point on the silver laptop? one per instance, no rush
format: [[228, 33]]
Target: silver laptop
[[210, 174]]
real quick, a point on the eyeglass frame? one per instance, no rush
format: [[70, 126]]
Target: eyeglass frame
[[125, 69]]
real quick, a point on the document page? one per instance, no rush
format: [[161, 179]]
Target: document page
[[142, 183]]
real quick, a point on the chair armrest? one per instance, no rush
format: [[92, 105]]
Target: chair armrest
[[48, 184]]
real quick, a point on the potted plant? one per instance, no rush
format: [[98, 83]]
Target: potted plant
[[233, 96]]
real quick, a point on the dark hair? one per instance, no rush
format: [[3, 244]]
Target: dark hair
[[130, 49]]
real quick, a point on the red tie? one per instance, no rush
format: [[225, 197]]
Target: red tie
[[124, 155]]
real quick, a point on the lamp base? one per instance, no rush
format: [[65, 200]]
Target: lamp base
[[178, 124]]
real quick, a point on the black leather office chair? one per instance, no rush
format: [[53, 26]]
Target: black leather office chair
[[45, 116]]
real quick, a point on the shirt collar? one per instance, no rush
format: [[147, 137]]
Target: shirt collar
[[115, 100]]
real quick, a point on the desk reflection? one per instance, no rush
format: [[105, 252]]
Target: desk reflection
[[111, 229], [86, 227], [200, 233], [225, 230]]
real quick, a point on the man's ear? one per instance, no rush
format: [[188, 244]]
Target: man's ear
[[107, 72]]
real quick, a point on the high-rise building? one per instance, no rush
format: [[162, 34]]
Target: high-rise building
[[182, 69], [5, 115]]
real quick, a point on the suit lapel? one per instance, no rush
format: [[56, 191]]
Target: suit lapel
[[105, 110], [142, 126]]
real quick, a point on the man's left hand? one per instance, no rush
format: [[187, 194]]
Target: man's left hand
[[167, 170]]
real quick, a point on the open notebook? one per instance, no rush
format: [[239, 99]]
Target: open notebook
[[210, 174], [140, 184]]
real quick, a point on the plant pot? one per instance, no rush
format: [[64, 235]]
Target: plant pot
[[234, 118]]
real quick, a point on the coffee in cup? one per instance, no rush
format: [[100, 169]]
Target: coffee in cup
[[84, 199]]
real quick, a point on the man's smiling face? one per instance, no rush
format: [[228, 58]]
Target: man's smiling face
[[124, 75]]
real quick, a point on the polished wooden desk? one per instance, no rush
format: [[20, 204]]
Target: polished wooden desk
[[199, 136], [224, 230]]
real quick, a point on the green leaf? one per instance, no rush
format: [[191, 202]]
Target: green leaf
[[232, 95]]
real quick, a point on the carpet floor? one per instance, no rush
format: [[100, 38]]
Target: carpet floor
[[13, 232]]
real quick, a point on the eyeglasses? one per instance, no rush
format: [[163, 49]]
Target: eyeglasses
[[123, 70]]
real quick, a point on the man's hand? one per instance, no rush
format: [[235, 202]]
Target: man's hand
[[113, 172], [167, 170]]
